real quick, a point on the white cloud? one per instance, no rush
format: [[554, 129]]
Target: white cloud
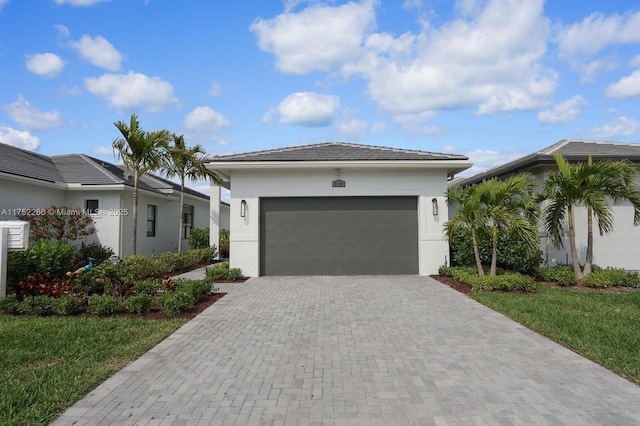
[[123, 91], [215, 89], [352, 128], [18, 138], [617, 127], [493, 61], [45, 64], [378, 127], [563, 112], [596, 32], [99, 52], [485, 159], [78, 2], [102, 150], [626, 88], [203, 123], [62, 30], [308, 109], [30, 117], [319, 37]]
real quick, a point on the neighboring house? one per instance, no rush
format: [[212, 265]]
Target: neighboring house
[[29, 180], [336, 209], [619, 248]]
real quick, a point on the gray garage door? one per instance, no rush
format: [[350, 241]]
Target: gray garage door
[[338, 236]]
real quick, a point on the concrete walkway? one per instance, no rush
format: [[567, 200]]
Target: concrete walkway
[[356, 350]]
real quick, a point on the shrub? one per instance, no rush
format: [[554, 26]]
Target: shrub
[[43, 285], [199, 238], [197, 288], [67, 305], [42, 257], [10, 305], [170, 261], [176, 302], [104, 304], [139, 304], [503, 282], [610, 277], [58, 223], [96, 251], [36, 305], [149, 286], [512, 251], [561, 274], [221, 271]]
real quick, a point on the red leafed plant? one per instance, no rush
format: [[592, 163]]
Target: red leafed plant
[[58, 223], [43, 285]]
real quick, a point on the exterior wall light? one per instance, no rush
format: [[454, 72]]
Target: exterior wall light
[[434, 206], [243, 208]]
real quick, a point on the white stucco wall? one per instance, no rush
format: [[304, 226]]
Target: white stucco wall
[[15, 194], [250, 185]]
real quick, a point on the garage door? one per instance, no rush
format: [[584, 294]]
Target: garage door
[[338, 236]]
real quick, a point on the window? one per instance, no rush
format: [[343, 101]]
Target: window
[[91, 206], [151, 220], [187, 220]]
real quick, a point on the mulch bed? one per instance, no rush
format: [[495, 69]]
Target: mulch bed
[[466, 288], [204, 303]]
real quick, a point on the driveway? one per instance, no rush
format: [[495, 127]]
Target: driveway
[[389, 350]]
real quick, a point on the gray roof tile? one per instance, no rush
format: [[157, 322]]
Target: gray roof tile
[[79, 169], [573, 150], [23, 163], [337, 151]]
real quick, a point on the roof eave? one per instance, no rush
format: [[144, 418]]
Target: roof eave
[[371, 164]]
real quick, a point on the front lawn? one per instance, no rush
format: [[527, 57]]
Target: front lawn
[[602, 327], [48, 363]]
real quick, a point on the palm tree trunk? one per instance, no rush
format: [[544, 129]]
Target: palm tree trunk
[[494, 252], [476, 252], [589, 259], [181, 215], [134, 239], [574, 250]]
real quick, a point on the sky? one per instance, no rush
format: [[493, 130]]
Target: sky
[[490, 79]]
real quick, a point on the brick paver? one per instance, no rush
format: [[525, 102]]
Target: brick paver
[[356, 350]]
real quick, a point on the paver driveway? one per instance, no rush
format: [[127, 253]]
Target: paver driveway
[[357, 350]]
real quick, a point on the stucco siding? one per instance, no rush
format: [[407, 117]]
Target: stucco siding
[[251, 185]]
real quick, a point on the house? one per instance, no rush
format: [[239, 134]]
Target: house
[[336, 209], [619, 248], [29, 180]]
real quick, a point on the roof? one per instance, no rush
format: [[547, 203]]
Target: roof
[[337, 151], [23, 163], [573, 150], [79, 169]]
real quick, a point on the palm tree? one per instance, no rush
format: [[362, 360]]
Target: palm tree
[[613, 180], [590, 184], [510, 205], [186, 163], [141, 152], [470, 214]]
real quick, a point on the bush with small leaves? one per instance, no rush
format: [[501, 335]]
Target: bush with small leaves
[[67, 305], [561, 274], [610, 277], [36, 305], [149, 286], [104, 304], [198, 288], [139, 304], [177, 302], [10, 305]]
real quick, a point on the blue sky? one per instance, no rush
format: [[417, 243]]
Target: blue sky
[[490, 79]]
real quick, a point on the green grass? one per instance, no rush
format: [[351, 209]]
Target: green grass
[[48, 363], [602, 327]]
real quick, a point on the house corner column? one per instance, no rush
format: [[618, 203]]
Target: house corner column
[[214, 215]]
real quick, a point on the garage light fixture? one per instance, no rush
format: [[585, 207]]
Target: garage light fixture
[[243, 208], [434, 206]]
